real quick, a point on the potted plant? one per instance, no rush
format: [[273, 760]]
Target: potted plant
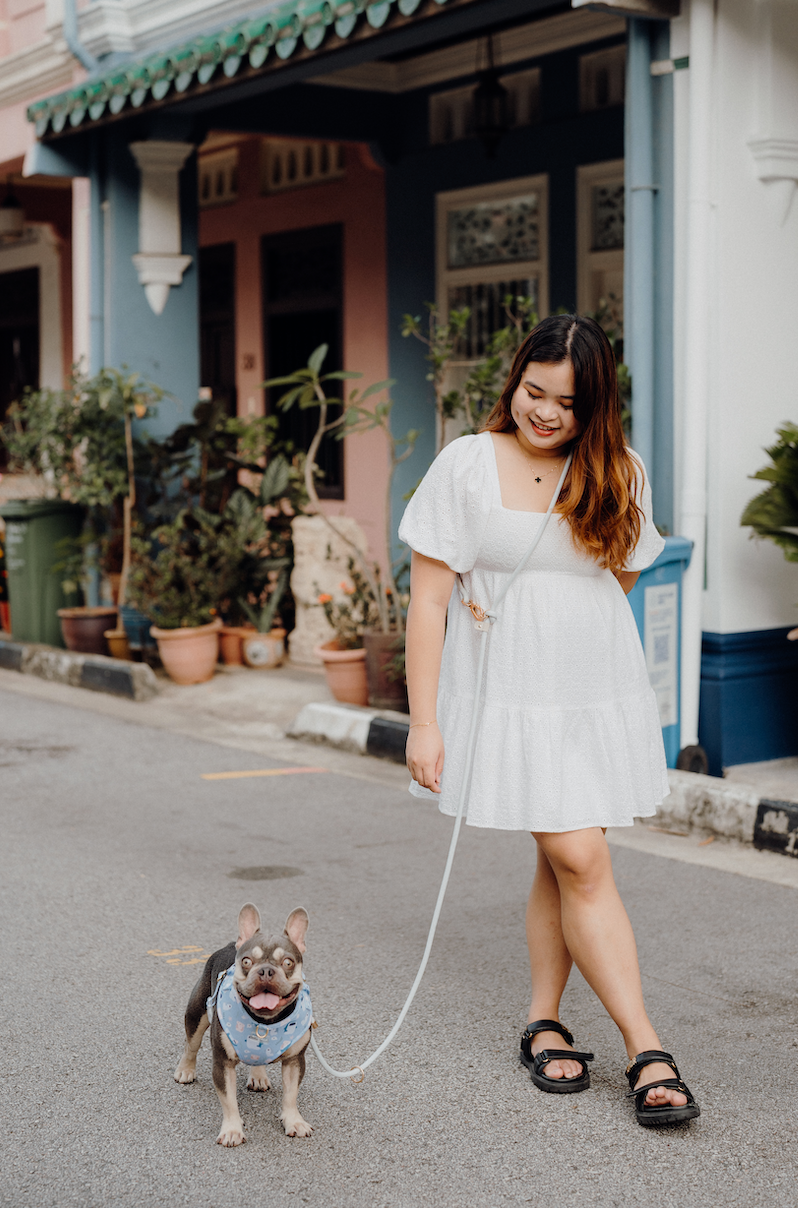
[[177, 577], [79, 441], [344, 656], [256, 532], [774, 512], [385, 634]]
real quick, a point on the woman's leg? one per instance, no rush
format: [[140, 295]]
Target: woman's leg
[[598, 936], [550, 963]]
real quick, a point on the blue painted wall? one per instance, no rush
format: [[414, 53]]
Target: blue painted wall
[[563, 139], [164, 348], [749, 695]]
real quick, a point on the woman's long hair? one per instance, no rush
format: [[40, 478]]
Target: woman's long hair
[[601, 492]]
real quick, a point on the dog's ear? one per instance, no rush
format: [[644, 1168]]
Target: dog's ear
[[248, 923], [296, 927]]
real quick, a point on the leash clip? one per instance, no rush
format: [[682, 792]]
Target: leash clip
[[482, 619]]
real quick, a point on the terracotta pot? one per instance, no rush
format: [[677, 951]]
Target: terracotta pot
[[83, 629], [345, 671], [384, 692], [118, 645], [190, 654], [264, 650], [231, 638]]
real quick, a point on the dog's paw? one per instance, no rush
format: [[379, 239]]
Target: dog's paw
[[295, 1126], [186, 1071], [231, 1136], [258, 1079]]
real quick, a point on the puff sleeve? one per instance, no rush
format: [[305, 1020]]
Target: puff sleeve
[[650, 544], [448, 514]]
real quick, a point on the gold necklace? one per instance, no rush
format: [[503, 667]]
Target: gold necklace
[[540, 477]]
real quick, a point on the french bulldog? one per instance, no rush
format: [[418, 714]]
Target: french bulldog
[[252, 995]]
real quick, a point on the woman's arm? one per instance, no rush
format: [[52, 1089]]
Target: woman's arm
[[431, 585], [627, 579]]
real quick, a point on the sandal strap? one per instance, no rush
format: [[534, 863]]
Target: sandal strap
[[547, 1025], [634, 1068], [673, 1083], [546, 1055]]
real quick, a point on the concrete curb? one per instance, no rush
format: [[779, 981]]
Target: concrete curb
[[136, 681], [379, 732], [726, 808]]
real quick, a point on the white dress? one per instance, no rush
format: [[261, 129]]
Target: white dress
[[569, 733]]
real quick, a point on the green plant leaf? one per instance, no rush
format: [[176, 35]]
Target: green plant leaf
[[376, 387], [275, 480], [316, 358]]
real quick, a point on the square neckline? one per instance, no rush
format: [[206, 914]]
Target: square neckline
[[498, 485]]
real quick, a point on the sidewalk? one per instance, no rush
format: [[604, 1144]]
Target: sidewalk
[[288, 708]]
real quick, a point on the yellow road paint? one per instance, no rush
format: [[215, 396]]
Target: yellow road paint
[[260, 772], [181, 956]]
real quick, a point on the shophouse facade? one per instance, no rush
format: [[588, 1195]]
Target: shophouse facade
[[246, 185]]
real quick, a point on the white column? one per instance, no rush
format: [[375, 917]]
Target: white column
[[159, 261], [774, 147], [81, 271], [697, 377]]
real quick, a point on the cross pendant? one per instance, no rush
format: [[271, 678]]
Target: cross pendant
[[537, 480]]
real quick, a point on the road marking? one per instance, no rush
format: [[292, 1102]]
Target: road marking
[[177, 956], [260, 772]]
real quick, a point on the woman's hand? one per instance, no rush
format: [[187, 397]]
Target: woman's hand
[[424, 756]]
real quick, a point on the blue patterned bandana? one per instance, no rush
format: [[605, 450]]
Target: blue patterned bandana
[[257, 1043]]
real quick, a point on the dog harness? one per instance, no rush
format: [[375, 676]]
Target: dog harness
[[257, 1043]]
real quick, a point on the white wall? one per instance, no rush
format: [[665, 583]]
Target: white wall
[[754, 344]]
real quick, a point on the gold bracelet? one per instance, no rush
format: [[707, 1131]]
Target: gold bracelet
[[422, 723]]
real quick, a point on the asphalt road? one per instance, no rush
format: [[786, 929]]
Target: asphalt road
[[118, 868]]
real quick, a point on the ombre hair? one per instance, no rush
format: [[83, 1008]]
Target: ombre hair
[[601, 492]]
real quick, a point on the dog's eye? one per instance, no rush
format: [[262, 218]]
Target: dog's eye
[[246, 964], [288, 964]]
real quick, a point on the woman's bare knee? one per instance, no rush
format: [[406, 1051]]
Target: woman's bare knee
[[579, 860]]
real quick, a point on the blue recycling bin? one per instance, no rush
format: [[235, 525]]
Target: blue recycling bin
[[656, 601]]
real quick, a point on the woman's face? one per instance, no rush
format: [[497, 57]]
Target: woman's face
[[542, 408]]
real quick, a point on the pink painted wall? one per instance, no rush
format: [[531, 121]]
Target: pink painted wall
[[23, 25], [25, 22], [357, 201], [45, 199]]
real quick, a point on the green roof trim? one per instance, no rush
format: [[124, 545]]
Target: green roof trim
[[235, 50]]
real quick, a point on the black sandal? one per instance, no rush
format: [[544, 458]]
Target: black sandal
[[555, 1086], [648, 1113]]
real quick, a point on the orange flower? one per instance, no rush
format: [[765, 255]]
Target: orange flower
[[347, 587], [324, 598]]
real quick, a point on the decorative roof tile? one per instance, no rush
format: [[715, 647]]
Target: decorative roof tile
[[242, 49]]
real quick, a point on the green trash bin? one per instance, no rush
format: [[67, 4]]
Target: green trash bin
[[34, 527]]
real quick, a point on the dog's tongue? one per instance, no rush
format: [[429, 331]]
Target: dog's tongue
[[264, 1002]]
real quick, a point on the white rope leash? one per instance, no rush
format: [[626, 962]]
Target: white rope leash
[[491, 617]]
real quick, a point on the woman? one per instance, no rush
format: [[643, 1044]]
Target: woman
[[569, 739]]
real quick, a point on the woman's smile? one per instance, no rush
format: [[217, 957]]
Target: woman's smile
[[543, 408]]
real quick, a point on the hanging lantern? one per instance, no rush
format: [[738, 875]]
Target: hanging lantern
[[491, 106], [12, 215]]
